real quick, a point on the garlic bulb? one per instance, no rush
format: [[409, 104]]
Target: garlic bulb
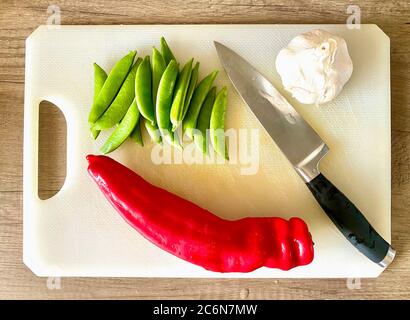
[[315, 66]]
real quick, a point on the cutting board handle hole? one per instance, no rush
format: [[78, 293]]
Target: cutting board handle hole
[[52, 150]]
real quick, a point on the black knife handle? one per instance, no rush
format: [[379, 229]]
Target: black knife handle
[[350, 221]]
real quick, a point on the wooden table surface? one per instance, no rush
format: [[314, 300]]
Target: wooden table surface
[[18, 18]]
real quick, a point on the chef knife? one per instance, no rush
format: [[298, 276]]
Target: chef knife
[[304, 148]]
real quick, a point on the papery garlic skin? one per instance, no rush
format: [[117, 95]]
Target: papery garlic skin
[[315, 66]]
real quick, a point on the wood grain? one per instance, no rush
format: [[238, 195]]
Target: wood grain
[[18, 18]]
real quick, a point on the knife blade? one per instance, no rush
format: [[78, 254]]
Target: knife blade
[[304, 149], [282, 122]]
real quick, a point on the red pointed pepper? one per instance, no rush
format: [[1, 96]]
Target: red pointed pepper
[[196, 235]]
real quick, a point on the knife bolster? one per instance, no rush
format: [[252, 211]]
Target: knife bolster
[[308, 168]]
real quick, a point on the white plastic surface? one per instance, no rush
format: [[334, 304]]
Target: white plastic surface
[[77, 232]]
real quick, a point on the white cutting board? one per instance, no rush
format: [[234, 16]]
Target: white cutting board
[[77, 232]]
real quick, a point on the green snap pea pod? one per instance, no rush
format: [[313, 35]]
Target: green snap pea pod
[[181, 88], [197, 100], [158, 68], [111, 86], [121, 103], [99, 78], [217, 123], [124, 129], [164, 102], [192, 84], [204, 120], [143, 90], [136, 133], [166, 51], [153, 131]]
